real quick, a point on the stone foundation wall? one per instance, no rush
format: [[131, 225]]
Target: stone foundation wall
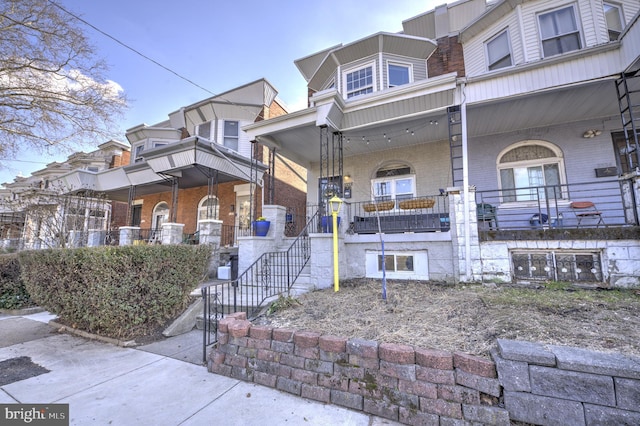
[[532, 383]]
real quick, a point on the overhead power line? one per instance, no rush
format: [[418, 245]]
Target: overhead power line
[[126, 46]]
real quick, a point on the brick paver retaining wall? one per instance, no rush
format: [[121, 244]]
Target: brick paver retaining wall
[[419, 386]]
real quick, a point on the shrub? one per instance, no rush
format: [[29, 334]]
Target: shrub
[[120, 292], [13, 294]]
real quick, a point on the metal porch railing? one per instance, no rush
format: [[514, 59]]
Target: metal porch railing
[[272, 274], [426, 213], [551, 207]]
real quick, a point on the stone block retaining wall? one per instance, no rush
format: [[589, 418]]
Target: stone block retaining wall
[[559, 385], [532, 383]]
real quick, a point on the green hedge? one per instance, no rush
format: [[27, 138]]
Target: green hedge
[[13, 294], [119, 292]]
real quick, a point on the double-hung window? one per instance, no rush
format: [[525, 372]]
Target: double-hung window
[[231, 134], [394, 184], [613, 16], [499, 51], [398, 74], [529, 173], [359, 81], [559, 31]]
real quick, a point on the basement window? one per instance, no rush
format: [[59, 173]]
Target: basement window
[[397, 264], [578, 266]]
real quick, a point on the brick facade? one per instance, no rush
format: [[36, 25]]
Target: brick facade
[[447, 58]]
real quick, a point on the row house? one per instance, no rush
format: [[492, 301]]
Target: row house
[[39, 212], [486, 141], [198, 169]]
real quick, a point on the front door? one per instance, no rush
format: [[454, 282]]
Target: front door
[[244, 213]]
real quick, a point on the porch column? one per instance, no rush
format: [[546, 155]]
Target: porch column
[[96, 237], [321, 261], [250, 248], [210, 231], [630, 184], [464, 242], [128, 235], [172, 233]]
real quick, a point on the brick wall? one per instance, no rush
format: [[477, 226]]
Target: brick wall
[[528, 382], [447, 58], [188, 200], [397, 382]]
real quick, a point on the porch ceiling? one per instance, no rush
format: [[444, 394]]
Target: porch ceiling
[[596, 100], [300, 140]]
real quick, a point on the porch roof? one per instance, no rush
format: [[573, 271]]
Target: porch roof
[[192, 160], [402, 114]]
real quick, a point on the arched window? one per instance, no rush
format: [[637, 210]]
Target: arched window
[[393, 182], [529, 171], [208, 208], [160, 215]]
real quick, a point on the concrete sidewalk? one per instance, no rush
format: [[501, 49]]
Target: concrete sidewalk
[[163, 383]]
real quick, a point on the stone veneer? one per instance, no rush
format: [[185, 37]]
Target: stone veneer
[[532, 383]]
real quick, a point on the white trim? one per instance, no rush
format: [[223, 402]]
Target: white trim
[[407, 65], [420, 265], [154, 225], [578, 23], [558, 159], [200, 207], [486, 50], [393, 179], [374, 78]]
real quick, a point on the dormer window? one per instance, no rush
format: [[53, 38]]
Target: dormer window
[[231, 134], [398, 74], [138, 153], [359, 81], [204, 130], [559, 31], [613, 16], [499, 51]]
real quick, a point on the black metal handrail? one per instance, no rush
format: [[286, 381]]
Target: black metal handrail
[[551, 207], [272, 274]]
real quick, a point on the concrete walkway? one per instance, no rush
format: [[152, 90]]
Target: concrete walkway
[[163, 383]]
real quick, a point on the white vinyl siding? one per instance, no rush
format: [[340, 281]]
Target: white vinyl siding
[[522, 23], [244, 145], [475, 59]]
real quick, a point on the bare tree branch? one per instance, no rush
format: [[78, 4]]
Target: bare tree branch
[[53, 89]]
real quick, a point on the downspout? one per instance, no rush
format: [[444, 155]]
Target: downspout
[[465, 184]]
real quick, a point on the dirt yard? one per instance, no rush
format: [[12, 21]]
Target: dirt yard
[[468, 318]]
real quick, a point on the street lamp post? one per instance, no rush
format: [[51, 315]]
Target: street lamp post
[[334, 204]]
